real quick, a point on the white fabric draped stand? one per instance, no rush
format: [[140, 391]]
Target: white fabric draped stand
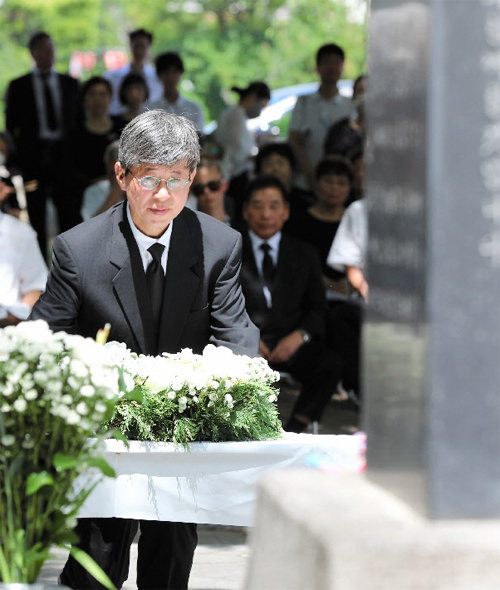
[[212, 483]]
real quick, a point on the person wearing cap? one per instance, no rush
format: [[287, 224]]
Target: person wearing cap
[[237, 142]]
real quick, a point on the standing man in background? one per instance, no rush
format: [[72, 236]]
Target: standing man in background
[[314, 114], [169, 69], [41, 109], [140, 44]]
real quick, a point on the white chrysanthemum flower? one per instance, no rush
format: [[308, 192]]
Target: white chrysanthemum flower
[[78, 369], [212, 397], [53, 387], [128, 381], [87, 391], [171, 395], [8, 440], [72, 417], [31, 394], [82, 409], [8, 389], [40, 377], [272, 398], [228, 398], [100, 407], [20, 404]]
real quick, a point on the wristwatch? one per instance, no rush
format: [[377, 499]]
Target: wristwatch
[[306, 337]]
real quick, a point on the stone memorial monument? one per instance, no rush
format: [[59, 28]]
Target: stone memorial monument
[[425, 515], [432, 335]]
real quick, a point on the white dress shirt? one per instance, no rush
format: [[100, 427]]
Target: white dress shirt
[[237, 142], [351, 240], [313, 116], [22, 267], [182, 106], [144, 242], [274, 245]]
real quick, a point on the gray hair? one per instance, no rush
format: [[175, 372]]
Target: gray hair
[[159, 138]]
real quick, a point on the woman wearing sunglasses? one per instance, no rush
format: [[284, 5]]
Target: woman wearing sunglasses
[[209, 188]]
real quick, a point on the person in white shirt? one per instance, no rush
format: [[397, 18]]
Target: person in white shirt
[[314, 114], [237, 142], [348, 251], [23, 272], [169, 68], [140, 44]]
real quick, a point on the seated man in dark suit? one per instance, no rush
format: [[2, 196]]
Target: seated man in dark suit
[[285, 297], [165, 278]]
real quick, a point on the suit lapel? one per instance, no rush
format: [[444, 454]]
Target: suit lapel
[[130, 282], [284, 273], [184, 273]]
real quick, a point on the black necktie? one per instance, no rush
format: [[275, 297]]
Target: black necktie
[[268, 270], [50, 110], [155, 280]]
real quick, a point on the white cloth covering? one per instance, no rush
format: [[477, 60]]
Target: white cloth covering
[[212, 483], [22, 267], [351, 240]]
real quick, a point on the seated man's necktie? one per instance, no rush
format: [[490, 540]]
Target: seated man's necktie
[[268, 268], [155, 279]]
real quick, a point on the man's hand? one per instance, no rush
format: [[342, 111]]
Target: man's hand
[[263, 349], [286, 347]]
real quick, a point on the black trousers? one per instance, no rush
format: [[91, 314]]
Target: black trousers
[[319, 369], [165, 553], [344, 322], [53, 182]]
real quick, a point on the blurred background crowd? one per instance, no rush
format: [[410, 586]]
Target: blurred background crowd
[[285, 167]]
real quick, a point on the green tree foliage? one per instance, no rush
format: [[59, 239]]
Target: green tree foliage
[[223, 42]]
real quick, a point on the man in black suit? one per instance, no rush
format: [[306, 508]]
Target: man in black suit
[[285, 298], [41, 107], [165, 278]]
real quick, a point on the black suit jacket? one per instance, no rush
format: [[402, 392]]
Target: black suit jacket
[[298, 294], [97, 277], [21, 118]]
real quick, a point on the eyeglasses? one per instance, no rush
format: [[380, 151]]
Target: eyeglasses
[[212, 185], [150, 183]]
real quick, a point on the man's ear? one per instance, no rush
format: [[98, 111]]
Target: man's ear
[[120, 176]]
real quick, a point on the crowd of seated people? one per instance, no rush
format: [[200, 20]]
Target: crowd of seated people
[[301, 195]]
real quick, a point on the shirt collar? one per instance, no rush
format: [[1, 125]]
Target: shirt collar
[[39, 73], [273, 241], [144, 241]]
